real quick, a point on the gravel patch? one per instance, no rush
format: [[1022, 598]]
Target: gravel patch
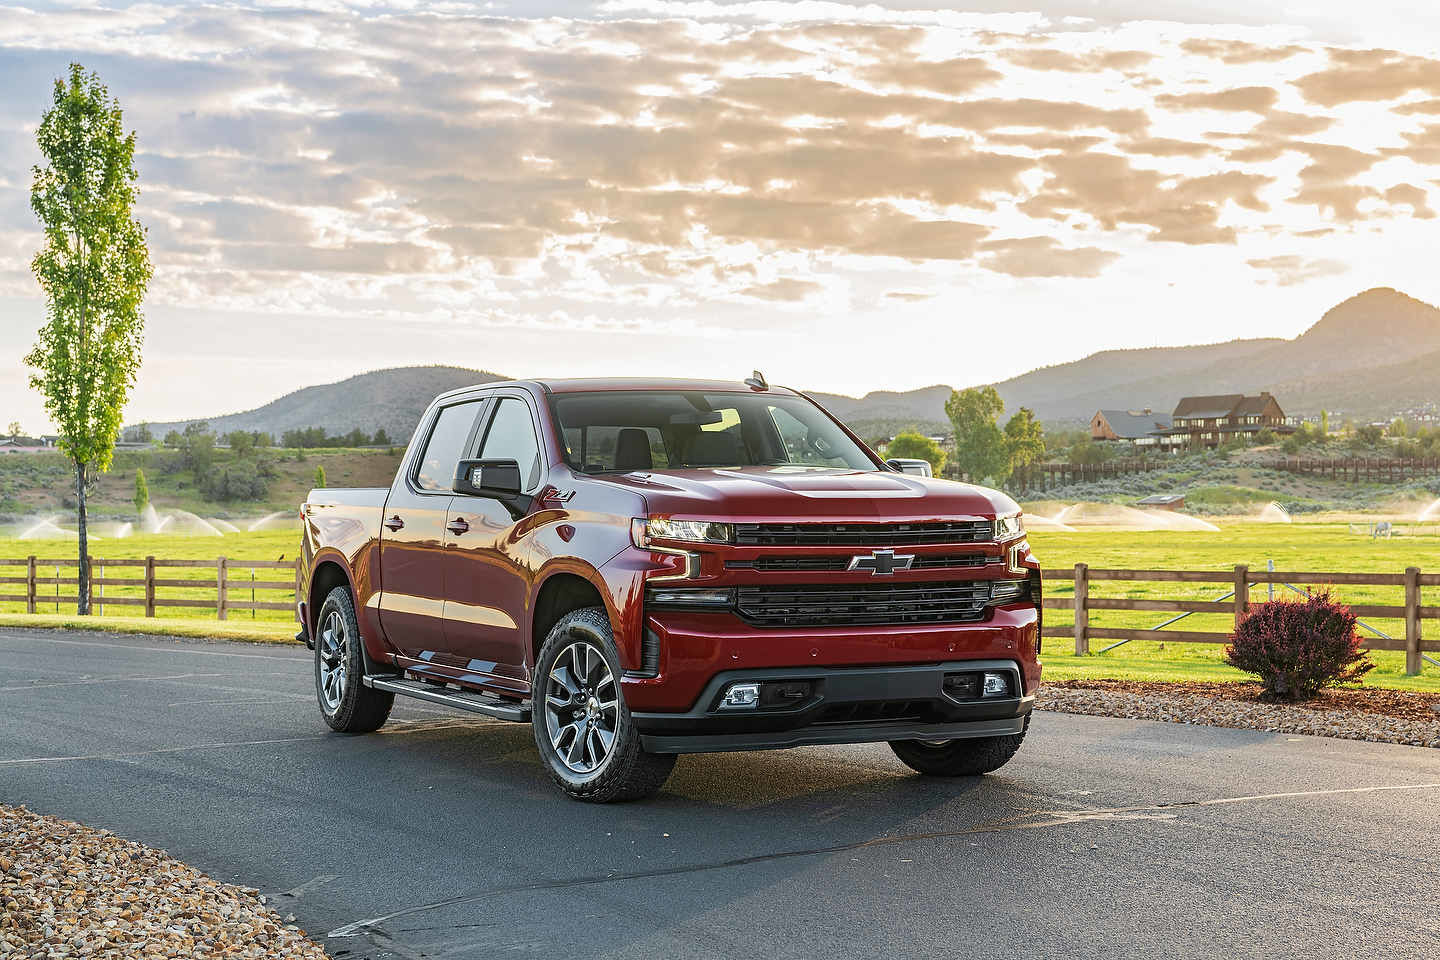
[[1236, 706], [67, 890]]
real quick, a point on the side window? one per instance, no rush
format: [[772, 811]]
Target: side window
[[512, 437], [446, 446]]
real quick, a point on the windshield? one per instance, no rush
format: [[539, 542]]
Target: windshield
[[622, 430]]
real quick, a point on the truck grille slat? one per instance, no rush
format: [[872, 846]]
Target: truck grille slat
[[811, 564], [870, 604], [862, 534]]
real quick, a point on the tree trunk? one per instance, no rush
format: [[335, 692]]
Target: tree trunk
[[82, 588]]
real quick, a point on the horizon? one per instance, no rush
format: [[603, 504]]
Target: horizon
[[830, 193]]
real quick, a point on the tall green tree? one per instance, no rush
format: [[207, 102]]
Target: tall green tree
[[980, 448], [142, 491], [1024, 439], [916, 446], [93, 269], [14, 429], [320, 475]]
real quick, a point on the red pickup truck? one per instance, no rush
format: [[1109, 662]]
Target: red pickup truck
[[645, 568]]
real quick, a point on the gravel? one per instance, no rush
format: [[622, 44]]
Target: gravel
[[1376, 716], [67, 890]]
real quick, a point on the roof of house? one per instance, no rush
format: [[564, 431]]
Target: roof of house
[[1205, 408], [1253, 406], [1161, 499], [1130, 425]]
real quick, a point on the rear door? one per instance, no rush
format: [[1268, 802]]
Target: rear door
[[412, 541], [487, 572]]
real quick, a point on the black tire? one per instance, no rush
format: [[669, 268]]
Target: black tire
[[626, 772], [959, 758], [349, 706]]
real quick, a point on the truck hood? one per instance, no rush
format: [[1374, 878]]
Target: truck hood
[[782, 494]]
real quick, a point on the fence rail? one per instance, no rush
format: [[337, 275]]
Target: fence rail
[[1236, 603], [1363, 469], [230, 591], [1041, 476]]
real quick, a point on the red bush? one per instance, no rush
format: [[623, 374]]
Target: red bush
[[1299, 647]]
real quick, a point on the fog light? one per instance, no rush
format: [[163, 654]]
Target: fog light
[[741, 696], [996, 685]]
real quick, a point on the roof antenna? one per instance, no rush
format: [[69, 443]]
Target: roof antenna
[[756, 381]]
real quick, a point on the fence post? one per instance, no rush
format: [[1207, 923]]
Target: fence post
[[1082, 612], [149, 586], [30, 584], [1242, 592], [220, 571], [102, 588], [1412, 620]]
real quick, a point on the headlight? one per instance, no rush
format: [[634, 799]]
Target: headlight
[[1008, 527], [642, 531], [1009, 591], [692, 598]]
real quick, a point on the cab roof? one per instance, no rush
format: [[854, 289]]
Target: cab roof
[[585, 384]]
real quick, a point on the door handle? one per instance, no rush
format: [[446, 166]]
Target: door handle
[[395, 523], [457, 526]]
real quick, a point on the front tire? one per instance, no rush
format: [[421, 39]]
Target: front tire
[[959, 758], [583, 728], [346, 703]]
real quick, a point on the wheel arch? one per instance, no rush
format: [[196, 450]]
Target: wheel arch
[[562, 590], [327, 574]]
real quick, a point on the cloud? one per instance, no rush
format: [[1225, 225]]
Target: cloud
[[1290, 269], [1239, 51], [1359, 75], [1243, 99], [1044, 257], [785, 290]]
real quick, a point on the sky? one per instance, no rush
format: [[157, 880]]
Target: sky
[[846, 196]]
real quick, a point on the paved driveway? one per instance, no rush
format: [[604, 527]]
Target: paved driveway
[[442, 837]]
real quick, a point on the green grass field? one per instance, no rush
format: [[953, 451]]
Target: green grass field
[[1324, 547], [1297, 547]]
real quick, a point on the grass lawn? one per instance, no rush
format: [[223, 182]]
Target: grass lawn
[[1297, 546]]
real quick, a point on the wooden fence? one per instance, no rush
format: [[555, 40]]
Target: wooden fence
[[1362, 469], [1239, 580], [1040, 476], [43, 582]]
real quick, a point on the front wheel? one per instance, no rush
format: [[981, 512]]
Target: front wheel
[[959, 758], [586, 736], [346, 703]]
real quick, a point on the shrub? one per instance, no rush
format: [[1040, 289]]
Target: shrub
[[1298, 647]]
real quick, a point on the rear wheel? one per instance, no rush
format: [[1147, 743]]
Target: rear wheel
[[582, 727], [346, 703], [959, 758]]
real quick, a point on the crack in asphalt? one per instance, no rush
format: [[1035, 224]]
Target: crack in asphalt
[[1040, 819]]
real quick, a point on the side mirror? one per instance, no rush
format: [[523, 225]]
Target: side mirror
[[487, 478]]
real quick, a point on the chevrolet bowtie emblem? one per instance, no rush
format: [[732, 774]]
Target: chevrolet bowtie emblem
[[882, 563]]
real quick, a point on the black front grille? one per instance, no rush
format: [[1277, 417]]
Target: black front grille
[[862, 534], [921, 562], [863, 605], [876, 711]]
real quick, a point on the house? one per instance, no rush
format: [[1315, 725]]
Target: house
[[1210, 421], [22, 444], [1163, 501], [1142, 428]]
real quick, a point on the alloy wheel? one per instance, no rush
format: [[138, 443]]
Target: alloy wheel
[[332, 649], [581, 707]]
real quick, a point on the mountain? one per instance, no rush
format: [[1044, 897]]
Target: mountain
[[1370, 357], [391, 399]]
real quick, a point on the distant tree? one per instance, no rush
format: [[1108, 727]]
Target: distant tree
[[93, 268], [142, 491], [1293, 444], [355, 438], [197, 450], [1398, 427], [14, 429], [381, 438], [1024, 439], [242, 442], [320, 475], [172, 438], [1265, 435], [263, 439], [915, 446], [1088, 451], [1324, 423], [980, 450], [1369, 434]]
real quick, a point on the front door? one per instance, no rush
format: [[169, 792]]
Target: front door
[[487, 572], [412, 540]]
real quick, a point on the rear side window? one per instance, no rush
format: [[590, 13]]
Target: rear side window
[[446, 446], [512, 437]]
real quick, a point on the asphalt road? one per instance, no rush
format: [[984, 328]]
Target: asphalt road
[[441, 836]]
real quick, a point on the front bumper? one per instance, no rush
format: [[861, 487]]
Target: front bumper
[[844, 705]]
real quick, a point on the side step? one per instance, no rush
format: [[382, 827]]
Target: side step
[[446, 697]]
